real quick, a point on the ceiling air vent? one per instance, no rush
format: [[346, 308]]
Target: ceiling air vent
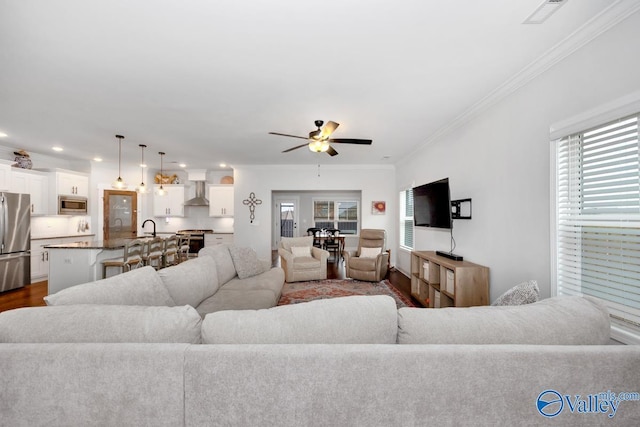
[[544, 11]]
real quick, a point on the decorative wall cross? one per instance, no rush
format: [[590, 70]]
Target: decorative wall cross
[[252, 202]]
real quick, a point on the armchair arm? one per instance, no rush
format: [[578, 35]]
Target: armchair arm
[[382, 263], [286, 260], [320, 254]]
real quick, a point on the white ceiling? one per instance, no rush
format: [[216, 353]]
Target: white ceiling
[[205, 80]]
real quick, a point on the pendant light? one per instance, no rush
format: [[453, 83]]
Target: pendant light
[[142, 188], [161, 190], [119, 183]]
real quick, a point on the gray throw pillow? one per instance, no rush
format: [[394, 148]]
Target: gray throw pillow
[[524, 293], [246, 262]]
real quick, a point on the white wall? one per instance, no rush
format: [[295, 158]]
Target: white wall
[[500, 159], [375, 182]]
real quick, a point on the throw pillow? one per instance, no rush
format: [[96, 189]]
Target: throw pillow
[[370, 252], [246, 262], [301, 251], [524, 293]]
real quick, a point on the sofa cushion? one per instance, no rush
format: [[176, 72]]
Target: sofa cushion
[[232, 299], [224, 263], [301, 251], [101, 323], [271, 280], [306, 263], [370, 252], [289, 242], [246, 262], [524, 293], [141, 286], [192, 281], [555, 321], [347, 320]]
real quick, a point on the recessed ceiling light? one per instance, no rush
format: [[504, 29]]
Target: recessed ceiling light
[[182, 165], [57, 148], [223, 165], [544, 11], [3, 135], [97, 159]]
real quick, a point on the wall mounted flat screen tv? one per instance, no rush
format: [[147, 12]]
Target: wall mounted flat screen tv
[[432, 205]]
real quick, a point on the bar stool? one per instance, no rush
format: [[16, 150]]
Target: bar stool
[[170, 253], [183, 248], [132, 258], [154, 249]]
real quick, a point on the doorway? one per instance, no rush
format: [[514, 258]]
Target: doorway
[[120, 209], [286, 219]]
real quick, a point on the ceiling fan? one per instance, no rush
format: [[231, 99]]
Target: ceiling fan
[[319, 139]]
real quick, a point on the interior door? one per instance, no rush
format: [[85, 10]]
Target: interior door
[[286, 219], [120, 209]]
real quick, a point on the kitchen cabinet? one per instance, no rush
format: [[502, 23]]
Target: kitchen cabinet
[[5, 176], [172, 203], [35, 184], [213, 239], [221, 200], [71, 184], [40, 254]]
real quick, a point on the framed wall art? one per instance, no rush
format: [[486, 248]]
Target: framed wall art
[[378, 207]]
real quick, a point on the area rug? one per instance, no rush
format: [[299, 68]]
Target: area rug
[[293, 293]]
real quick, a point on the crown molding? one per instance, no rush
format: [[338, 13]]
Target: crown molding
[[608, 18]]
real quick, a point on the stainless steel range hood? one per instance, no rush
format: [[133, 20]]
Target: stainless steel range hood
[[200, 199], [199, 176]]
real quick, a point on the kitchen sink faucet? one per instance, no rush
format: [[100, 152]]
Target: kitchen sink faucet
[[154, 226]]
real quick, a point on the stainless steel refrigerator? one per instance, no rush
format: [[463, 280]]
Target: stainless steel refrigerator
[[15, 240]]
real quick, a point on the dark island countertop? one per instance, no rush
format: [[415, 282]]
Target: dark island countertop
[[95, 244]]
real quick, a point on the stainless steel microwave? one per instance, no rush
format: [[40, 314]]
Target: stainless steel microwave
[[72, 205]]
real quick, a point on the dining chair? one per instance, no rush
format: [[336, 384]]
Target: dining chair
[[315, 232], [331, 244]]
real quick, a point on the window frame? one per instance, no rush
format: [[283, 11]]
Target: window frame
[[334, 206], [405, 219], [581, 216]]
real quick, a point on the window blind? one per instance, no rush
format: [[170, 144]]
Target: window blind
[[406, 219], [598, 217]]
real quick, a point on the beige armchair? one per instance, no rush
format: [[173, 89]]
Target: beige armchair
[[302, 261], [370, 262]]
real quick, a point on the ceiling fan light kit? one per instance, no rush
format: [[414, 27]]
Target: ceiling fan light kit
[[320, 141], [119, 183]]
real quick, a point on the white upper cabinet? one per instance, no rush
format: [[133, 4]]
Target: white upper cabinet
[[221, 200], [71, 184], [172, 203], [5, 176], [36, 184]]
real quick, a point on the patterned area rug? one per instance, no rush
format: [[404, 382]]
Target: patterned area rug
[[293, 293]]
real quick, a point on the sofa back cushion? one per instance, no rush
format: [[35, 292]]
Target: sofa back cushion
[[141, 286], [191, 282], [347, 320], [224, 262], [101, 324], [554, 321]]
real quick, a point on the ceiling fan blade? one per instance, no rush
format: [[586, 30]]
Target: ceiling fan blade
[[331, 151], [285, 134], [352, 141], [328, 129], [295, 148]]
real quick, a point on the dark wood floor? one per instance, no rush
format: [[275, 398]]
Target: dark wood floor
[[31, 295]]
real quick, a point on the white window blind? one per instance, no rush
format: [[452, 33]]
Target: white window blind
[[598, 218], [406, 219]]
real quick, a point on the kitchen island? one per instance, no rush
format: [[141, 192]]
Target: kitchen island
[[80, 262]]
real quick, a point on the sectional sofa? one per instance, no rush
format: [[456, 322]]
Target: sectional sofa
[[352, 361]]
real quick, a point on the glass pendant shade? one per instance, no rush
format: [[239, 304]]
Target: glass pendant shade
[[142, 188], [119, 183], [161, 191]]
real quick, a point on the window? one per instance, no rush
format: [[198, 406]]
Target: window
[[340, 214], [597, 204], [406, 219]]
